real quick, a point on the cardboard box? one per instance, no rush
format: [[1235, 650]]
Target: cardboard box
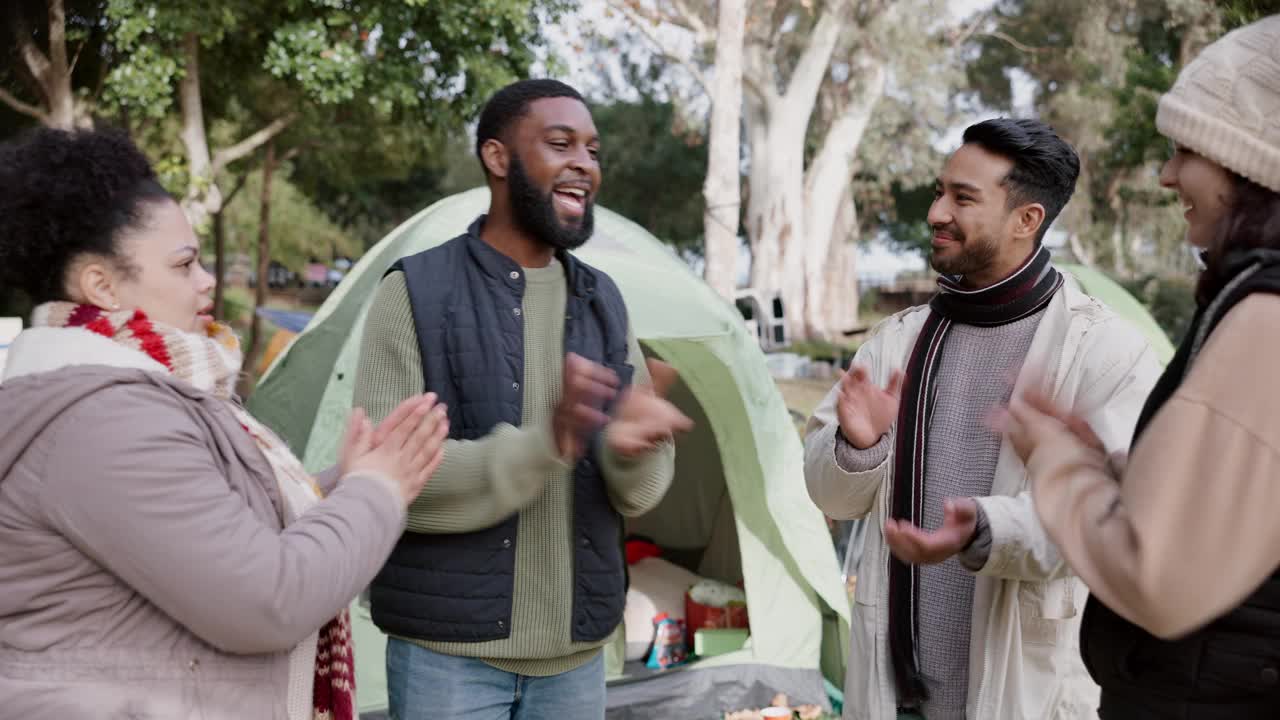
[[709, 642]]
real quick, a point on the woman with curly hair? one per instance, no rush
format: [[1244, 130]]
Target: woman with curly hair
[[1180, 546], [162, 553]]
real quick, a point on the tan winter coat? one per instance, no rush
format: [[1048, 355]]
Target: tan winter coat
[[1024, 658], [144, 571], [1190, 529]]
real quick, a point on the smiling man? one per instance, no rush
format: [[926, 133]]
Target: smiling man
[[510, 576], [964, 608]]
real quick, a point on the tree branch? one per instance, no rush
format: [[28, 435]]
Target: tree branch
[[963, 36], [695, 23], [58, 37], [76, 58], [851, 117], [1001, 35], [758, 74], [24, 108], [235, 189], [807, 77], [645, 22], [37, 63], [242, 149]]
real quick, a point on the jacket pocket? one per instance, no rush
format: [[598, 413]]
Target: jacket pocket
[[1044, 609], [862, 677]]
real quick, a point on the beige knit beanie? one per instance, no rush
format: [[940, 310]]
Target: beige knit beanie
[[1225, 104]]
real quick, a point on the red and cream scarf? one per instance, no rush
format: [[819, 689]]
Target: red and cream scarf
[[210, 361]]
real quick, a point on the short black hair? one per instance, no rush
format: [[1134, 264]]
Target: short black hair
[[64, 194], [511, 103], [1045, 167]]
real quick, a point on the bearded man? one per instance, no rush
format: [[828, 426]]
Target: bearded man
[[510, 576]]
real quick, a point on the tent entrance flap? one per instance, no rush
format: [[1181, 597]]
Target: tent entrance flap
[[694, 524]]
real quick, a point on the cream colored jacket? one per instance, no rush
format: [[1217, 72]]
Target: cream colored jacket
[[1024, 657]]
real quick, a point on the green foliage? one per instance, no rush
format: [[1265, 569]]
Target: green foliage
[[237, 305], [331, 73], [1132, 138], [903, 219], [142, 84], [299, 229], [837, 353], [1169, 298], [653, 169], [1098, 70], [1236, 13], [370, 189], [14, 304]]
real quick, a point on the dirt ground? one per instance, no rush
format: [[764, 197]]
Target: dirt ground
[[803, 395]]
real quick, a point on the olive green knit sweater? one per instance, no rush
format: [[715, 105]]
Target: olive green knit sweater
[[482, 482]]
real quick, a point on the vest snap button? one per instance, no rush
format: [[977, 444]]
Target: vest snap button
[[506, 542], [501, 624], [1270, 676], [515, 311], [515, 386], [515, 275]]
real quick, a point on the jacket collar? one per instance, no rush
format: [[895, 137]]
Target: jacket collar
[[46, 349], [500, 267]]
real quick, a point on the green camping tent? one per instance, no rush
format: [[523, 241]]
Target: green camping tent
[[737, 510], [1123, 304]]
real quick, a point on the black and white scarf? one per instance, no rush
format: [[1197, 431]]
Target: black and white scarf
[[1026, 292]]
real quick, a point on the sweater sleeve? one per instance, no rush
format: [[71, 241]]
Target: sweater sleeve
[[1190, 531], [480, 482], [154, 509], [637, 485]]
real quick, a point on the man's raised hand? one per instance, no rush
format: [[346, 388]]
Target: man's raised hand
[[866, 411]]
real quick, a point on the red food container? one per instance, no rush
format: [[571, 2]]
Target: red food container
[[698, 616]]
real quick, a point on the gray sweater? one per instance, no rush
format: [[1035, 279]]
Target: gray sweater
[[976, 375]]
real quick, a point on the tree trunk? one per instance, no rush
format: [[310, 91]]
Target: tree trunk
[[203, 199], [1082, 253], [723, 185], [62, 102], [51, 73], [219, 264], [839, 301], [264, 265], [220, 249], [775, 208], [776, 202], [1119, 246], [827, 188]]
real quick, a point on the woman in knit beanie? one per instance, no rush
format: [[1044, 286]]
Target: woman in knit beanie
[[162, 553], [1180, 545]]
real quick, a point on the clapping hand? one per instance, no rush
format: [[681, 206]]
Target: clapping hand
[[644, 418]]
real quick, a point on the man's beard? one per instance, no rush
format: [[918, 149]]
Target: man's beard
[[973, 256], [535, 212]]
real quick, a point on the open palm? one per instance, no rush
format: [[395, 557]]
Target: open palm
[[866, 411]]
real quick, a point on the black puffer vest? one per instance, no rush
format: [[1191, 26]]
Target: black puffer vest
[[1230, 669], [466, 298]]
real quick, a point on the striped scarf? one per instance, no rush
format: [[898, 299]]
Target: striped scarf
[[210, 361], [1026, 292]]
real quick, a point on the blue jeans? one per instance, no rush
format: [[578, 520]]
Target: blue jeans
[[422, 684]]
